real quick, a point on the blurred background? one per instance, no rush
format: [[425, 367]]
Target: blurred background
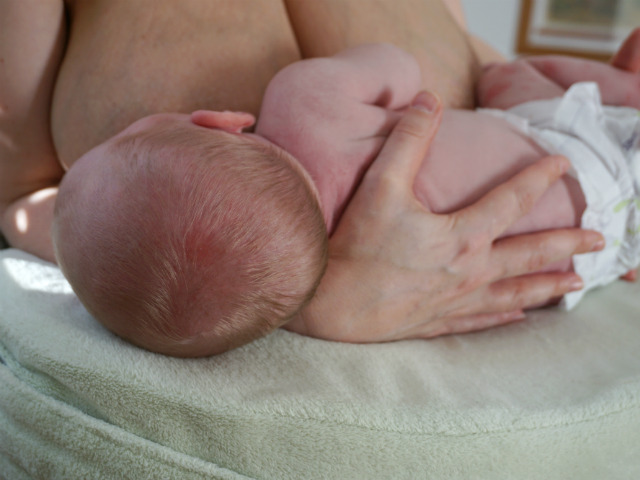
[[592, 28], [495, 21]]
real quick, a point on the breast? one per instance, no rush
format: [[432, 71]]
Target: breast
[[126, 60]]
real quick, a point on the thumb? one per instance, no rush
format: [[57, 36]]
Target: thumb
[[406, 147]]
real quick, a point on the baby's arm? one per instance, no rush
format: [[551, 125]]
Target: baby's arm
[[333, 114], [32, 35], [379, 75]]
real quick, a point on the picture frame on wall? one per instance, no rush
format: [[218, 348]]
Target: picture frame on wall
[[588, 28]]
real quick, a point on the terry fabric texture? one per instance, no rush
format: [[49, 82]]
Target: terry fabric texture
[[555, 397]]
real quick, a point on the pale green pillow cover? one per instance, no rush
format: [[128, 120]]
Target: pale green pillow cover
[[556, 397]]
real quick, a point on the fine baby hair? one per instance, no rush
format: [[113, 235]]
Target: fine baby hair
[[188, 241]]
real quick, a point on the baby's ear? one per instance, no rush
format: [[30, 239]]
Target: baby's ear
[[232, 122]]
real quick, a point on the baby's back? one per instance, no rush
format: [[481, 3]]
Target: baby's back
[[336, 139], [474, 152]]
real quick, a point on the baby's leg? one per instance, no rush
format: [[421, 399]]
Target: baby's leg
[[505, 85], [619, 81], [617, 87]]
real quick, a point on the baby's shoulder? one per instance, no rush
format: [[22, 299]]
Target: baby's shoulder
[[310, 92]]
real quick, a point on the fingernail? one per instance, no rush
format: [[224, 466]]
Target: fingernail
[[564, 164], [598, 245], [575, 283], [426, 101]]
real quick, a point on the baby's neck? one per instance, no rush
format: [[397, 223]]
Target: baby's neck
[[322, 190], [328, 169]]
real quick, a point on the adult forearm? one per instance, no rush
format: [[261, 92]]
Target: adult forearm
[[26, 223]]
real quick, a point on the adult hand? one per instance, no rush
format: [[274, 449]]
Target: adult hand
[[398, 271]]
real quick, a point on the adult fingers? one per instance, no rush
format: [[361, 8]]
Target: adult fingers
[[519, 293], [497, 210], [522, 254], [404, 151], [465, 324]]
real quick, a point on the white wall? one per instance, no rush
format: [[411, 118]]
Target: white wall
[[495, 21]]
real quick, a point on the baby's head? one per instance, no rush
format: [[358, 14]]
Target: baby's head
[[189, 241]]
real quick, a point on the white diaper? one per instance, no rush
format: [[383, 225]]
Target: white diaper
[[602, 143]]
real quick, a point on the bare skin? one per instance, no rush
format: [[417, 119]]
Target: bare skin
[[69, 83], [448, 64], [108, 63], [131, 60], [435, 297]]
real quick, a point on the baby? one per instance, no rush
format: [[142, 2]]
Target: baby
[[206, 238], [189, 241]]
